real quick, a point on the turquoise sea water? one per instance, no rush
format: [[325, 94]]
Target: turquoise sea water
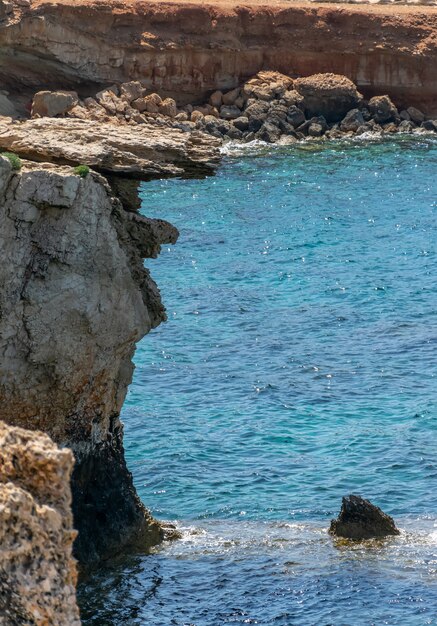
[[298, 365]]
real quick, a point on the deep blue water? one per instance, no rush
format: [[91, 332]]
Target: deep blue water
[[298, 365]]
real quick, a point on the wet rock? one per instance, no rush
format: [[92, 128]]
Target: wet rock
[[242, 123], [382, 109], [53, 103], [416, 115], [404, 115], [330, 95], [257, 112], [277, 112], [229, 112], [269, 133], [295, 116], [352, 121], [234, 133], [429, 125], [360, 519]]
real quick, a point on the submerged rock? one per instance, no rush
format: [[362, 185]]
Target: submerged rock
[[360, 519]]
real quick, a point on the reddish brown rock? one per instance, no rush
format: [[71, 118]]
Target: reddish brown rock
[[188, 50], [330, 95]]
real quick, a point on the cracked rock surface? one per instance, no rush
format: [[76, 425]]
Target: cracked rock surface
[[75, 298], [37, 570]]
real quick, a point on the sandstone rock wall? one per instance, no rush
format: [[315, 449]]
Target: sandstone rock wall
[[74, 300], [37, 570], [186, 50]]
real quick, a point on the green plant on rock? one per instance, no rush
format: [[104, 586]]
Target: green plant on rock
[[82, 170], [13, 159]]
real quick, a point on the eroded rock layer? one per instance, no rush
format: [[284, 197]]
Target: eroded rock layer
[[74, 300], [186, 49], [37, 570]]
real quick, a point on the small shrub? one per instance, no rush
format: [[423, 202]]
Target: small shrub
[[14, 160], [82, 170]]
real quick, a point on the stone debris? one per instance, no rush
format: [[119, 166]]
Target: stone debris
[[269, 107]]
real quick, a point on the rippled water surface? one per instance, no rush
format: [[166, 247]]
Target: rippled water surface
[[298, 365]]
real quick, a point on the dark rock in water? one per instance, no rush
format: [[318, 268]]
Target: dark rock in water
[[360, 519], [415, 115], [269, 133], [429, 125], [352, 121]]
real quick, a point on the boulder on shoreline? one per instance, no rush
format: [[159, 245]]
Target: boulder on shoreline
[[360, 519], [269, 107]]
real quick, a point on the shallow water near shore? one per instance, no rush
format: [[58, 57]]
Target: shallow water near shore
[[299, 364]]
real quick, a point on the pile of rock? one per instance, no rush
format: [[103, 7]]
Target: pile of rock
[[270, 107]]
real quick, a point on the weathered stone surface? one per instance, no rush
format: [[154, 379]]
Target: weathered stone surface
[[7, 108], [131, 90], [330, 95], [216, 99], [74, 300], [187, 52], [267, 85], [149, 103], [360, 519], [53, 103], [295, 116], [168, 107], [416, 115], [139, 152], [382, 109], [352, 121], [231, 96], [37, 570]]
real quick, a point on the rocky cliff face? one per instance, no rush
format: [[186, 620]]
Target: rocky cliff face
[[74, 300], [187, 49], [37, 571]]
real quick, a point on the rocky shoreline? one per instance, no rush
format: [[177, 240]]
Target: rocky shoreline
[[270, 107], [75, 297]]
